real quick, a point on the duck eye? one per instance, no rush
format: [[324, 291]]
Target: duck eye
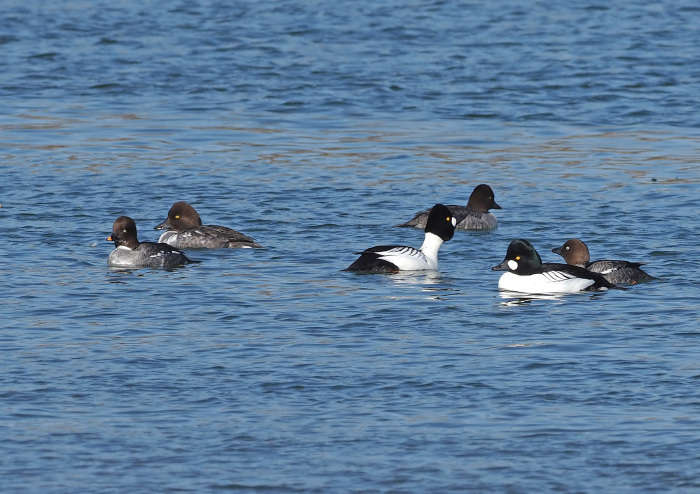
[[517, 258], [449, 219], [567, 247], [177, 216]]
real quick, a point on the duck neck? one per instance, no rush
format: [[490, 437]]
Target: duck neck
[[431, 246]]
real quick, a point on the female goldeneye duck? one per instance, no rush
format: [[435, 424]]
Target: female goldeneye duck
[[185, 231], [394, 258], [476, 212], [575, 252], [130, 253], [527, 274]]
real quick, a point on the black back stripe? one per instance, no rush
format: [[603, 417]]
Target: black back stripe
[[558, 275]]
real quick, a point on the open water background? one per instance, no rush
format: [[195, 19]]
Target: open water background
[[314, 127]]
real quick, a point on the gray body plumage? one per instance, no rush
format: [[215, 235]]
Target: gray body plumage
[[208, 237], [473, 219], [474, 216], [619, 271], [147, 255]]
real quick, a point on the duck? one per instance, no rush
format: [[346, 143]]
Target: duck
[[439, 228], [185, 231], [525, 273], [575, 252], [476, 212], [130, 253]]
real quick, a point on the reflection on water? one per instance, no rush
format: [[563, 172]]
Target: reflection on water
[[517, 298], [427, 277]]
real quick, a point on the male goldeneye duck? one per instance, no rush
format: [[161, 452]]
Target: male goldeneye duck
[[575, 252], [526, 273], [185, 231], [476, 212], [130, 253], [394, 258]]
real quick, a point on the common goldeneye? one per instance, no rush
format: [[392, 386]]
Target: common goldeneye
[[130, 253], [575, 252], [394, 258], [526, 273], [476, 212], [185, 231]]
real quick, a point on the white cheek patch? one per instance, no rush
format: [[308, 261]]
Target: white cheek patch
[[512, 265], [454, 221]]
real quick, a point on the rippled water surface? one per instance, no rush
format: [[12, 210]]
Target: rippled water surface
[[315, 127]]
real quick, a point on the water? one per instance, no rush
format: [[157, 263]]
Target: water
[[314, 127]]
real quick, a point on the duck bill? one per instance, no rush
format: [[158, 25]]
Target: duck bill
[[496, 206], [557, 250], [162, 226], [109, 239], [501, 267]]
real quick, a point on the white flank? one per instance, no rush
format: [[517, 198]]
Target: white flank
[[406, 258], [550, 282], [410, 259]]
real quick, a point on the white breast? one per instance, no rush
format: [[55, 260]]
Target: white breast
[[122, 256], [168, 237]]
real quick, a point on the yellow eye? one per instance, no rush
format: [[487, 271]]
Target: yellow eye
[[177, 217], [517, 258], [449, 219], [124, 231]]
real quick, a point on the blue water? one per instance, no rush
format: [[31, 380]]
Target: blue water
[[315, 127]]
